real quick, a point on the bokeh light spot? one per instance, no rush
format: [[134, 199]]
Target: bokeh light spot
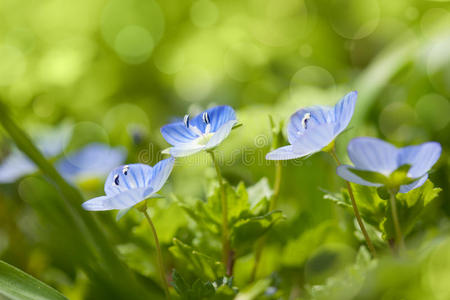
[[396, 121], [434, 111], [13, 65], [279, 22], [134, 44], [354, 19], [311, 77], [242, 60], [204, 13], [193, 83], [168, 58]]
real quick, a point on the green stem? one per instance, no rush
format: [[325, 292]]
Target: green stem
[[398, 232], [273, 205], [226, 249], [158, 254], [355, 209]]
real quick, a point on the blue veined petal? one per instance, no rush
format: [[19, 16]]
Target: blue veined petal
[[317, 115], [122, 200], [373, 154], [420, 157], [127, 177], [177, 133], [409, 187], [220, 134], [283, 153], [314, 139], [161, 172], [218, 116], [344, 172], [94, 160], [16, 166], [343, 111], [186, 149]]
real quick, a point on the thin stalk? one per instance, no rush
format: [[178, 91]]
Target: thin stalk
[[226, 249], [355, 209], [398, 231], [272, 206], [158, 254]]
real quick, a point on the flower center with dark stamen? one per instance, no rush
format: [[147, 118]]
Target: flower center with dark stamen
[[116, 179], [305, 120], [125, 170], [186, 121]]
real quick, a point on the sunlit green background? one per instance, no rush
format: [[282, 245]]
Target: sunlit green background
[[116, 71]]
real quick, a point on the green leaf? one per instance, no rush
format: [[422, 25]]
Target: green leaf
[[247, 231], [370, 176], [198, 290], [299, 250], [204, 266], [16, 284], [371, 207], [410, 207]]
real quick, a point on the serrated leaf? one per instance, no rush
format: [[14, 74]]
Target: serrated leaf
[[197, 291], [18, 285], [410, 207], [247, 231], [204, 266]]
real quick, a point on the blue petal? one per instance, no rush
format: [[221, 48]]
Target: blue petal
[[343, 111], [373, 155], [177, 133], [94, 160], [122, 200], [418, 183], [220, 134], [319, 115], [136, 176], [53, 141], [16, 166], [314, 139], [344, 172], [420, 157], [283, 153], [218, 115], [186, 149], [161, 172]]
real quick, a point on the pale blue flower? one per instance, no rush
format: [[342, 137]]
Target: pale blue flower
[[50, 143], [93, 161], [376, 160], [313, 128], [130, 184], [203, 132]]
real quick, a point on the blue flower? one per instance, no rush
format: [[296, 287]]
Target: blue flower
[[376, 163], [205, 131], [130, 184], [313, 128], [50, 143], [93, 161]]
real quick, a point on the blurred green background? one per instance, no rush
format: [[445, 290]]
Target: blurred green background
[[116, 71]]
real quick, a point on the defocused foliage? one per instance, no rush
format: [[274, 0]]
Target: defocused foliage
[[116, 71]]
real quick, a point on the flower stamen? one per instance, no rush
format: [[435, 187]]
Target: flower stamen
[[116, 179], [186, 121], [305, 120]]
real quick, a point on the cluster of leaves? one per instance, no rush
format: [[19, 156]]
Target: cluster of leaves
[[375, 209], [249, 219]]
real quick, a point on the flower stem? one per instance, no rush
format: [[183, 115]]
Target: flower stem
[[398, 232], [355, 208], [158, 254], [226, 249], [272, 206]]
